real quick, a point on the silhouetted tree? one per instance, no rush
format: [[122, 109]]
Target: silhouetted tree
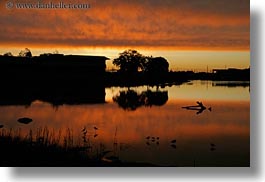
[[25, 53], [157, 65], [130, 61], [56, 52], [8, 54]]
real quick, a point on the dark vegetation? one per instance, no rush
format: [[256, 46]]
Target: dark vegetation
[[41, 149], [130, 61], [47, 148], [137, 69]]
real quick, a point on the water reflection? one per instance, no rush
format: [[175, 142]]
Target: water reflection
[[166, 135], [231, 84], [131, 100], [56, 95], [199, 108]]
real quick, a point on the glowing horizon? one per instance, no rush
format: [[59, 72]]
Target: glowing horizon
[[179, 60], [168, 28]]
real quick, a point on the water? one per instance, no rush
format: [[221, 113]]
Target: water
[[220, 137]]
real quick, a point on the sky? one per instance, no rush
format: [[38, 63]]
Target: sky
[[184, 31]]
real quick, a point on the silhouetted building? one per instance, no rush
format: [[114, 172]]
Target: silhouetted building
[[53, 65], [55, 78], [231, 74]]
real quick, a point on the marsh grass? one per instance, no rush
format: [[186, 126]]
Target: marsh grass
[[45, 147]]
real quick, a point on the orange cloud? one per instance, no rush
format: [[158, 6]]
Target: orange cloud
[[179, 24]]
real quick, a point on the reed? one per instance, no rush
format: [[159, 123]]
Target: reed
[[44, 147]]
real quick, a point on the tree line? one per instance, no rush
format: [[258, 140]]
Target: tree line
[[23, 53], [131, 61]]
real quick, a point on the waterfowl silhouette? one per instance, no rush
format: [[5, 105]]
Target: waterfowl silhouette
[[173, 146], [147, 143], [213, 146], [173, 141], [95, 129]]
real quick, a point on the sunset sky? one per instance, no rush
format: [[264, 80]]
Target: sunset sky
[[190, 34]]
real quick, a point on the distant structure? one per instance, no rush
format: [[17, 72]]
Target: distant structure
[[96, 64], [231, 74], [54, 78], [53, 67]]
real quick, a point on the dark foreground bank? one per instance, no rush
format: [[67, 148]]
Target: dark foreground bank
[[44, 150]]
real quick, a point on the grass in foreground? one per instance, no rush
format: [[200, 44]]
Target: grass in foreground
[[45, 149]]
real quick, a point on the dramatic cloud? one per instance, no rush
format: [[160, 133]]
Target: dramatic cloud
[[192, 24]]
